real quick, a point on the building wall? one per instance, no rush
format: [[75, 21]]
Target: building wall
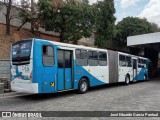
[[87, 41], [5, 69], [16, 21], [6, 41]]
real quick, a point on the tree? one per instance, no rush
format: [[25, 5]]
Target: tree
[[71, 19], [32, 12], [24, 14], [8, 4], [131, 26], [105, 22], [28, 13]]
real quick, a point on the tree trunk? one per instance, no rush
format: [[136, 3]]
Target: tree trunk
[[8, 7], [32, 11], [7, 24], [61, 36], [21, 26]]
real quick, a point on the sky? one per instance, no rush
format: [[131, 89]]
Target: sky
[[149, 9]]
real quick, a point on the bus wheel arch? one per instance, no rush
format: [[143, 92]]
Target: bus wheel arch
[[83, 85], [128, 76]]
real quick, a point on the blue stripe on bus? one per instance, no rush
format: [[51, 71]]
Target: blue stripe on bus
[[81, 72], [141, 74]]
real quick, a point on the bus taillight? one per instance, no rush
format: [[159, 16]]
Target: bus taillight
[[31, 76]]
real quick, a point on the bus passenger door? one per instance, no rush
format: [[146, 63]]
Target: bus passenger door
[[65, 65], [134, 69]]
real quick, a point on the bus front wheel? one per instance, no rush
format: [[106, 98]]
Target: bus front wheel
[[83, 86]]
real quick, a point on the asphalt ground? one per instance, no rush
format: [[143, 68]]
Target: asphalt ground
[[139, 96]]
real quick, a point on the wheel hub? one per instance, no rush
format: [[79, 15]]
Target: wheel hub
[[83, 86]]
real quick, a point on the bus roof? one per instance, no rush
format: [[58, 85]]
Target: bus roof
[[73, 46]]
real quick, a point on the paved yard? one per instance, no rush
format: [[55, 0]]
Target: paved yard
[[141, 96]]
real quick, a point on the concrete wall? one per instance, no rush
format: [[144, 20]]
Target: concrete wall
[[88, 41], [5, 69], [16, 21], [7, 40]]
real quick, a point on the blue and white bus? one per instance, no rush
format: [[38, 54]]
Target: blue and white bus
[[41, 66]]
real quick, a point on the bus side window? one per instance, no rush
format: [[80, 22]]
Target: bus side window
[[78, 54], [102, 58], [81, 57], [93, 58], [140, 63], [122, 60], [144, 63], [128, 61], [68, 59], [48, 55]]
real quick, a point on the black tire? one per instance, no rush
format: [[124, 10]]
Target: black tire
[[145, 78], [127, 80], [83, 86]]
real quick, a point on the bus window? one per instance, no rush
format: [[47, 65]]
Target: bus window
[[128, 61], [84, 54], [140, 63], [21, 52], [122, 61], [92, 58], [78, 54], [102, 58], [68, 59], [144, 63], [48, 55], [81, 57], [60, 59]]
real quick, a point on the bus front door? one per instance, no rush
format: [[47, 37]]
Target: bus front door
[[65, 64], [134, 69]]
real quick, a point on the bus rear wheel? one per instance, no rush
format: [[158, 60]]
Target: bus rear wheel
[[83, 86], [145, 77], [127, 80]]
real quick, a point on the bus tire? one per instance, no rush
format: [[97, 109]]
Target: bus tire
[[145, 77], [83, 86], [127, 80]]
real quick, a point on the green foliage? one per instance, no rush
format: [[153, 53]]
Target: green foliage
[[72, 20], [105, 22], [25, 14], [131, 26]]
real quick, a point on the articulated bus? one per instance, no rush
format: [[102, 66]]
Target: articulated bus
[[41, 66]]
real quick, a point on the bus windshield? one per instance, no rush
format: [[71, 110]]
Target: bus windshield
[[21, 51]]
